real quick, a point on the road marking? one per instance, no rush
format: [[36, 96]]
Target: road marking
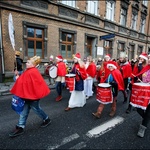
[[65, 141], [105, 127], [79, 146]]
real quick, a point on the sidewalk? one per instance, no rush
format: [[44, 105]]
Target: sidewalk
[[5, 87]]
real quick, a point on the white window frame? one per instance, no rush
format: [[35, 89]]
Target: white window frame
[[121, 17], [145, 2], [71, 3], [110, 10], [142, 26], [134, 21], [92, 7]]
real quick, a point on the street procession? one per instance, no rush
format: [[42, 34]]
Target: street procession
[[90, 53]]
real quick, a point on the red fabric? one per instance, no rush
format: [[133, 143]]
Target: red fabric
[[118, 78], [146, 68], [30, 85], [126, 70], [91, 70], [104, 71], [81, 71], [61, 69]]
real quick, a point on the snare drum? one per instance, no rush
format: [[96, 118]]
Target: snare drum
[[104, 93], [53, 71], [140, 95], [70, 81]]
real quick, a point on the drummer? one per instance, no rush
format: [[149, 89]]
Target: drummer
[[140, 64], [60, 80], [145, 73], [77, 98], [116, 81]]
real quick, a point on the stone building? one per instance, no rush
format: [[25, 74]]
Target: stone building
[[52, 27]]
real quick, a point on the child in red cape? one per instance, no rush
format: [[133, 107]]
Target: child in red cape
[[116, 81]]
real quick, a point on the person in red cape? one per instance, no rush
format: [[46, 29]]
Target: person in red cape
[[77, 98], [145, 114], [116, 81], [60, 80], [31, 87], [91, 73], [104, 71], [126, 70], [140, 64]]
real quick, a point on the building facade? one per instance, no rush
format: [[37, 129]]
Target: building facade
[[52, 27]]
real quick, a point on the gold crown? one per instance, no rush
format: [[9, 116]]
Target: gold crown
[[36, 60], [17, 53]]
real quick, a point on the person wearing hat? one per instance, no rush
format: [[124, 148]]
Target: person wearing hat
[[60, 80], [139, 65], [32, 88], [126, 70], [91, 73], [77, 98], [145, 114], [17, 65], [116, 81]]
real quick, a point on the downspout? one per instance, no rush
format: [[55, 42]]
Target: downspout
[[1, 45], [147, 34]]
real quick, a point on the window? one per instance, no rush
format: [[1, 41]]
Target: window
[[92, 7], [142, 26], [66, 46], [123, 17], [140, 50], [110, 10], [131, 52], [107, 47], [35, 40], [133, 22], [121, 48], [69, 3], [145, 2]]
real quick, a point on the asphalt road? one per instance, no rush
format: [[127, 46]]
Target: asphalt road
[[70, 130]]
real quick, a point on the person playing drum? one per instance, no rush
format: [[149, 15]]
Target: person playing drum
[[91, 73], [145, 114], [116, 81], [77, 98], [140, 64], [60, 80]]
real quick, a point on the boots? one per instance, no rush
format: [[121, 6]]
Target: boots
[[141, 131], [97, 115], [99, 111], [129, 109], [113, 108]]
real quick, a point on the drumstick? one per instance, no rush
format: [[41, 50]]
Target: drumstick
[[137, 77]]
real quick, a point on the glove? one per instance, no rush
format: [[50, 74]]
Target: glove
[[135, 79]]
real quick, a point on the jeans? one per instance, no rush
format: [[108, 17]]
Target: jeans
[[59, 87], [35, 106]]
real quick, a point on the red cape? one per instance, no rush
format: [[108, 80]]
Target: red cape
[[146, 68], [91, 70], [118, 78], [126, 70], [61, 69], [30, 85]]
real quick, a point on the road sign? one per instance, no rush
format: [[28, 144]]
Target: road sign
[[109, 36], [11, 31]]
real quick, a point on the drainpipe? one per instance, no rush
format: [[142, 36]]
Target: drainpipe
[[2, 73]]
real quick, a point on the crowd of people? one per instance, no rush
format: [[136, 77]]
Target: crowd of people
[[111, 75]]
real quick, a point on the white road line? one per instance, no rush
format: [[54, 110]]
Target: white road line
[[79, 146], [105, 127], [64, 141]]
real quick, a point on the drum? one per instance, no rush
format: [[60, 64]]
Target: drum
[[47, 70], [104, 93], [53, 71], [140, 95], [70, 81]]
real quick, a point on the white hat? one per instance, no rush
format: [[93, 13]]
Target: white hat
[[122, 54]]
